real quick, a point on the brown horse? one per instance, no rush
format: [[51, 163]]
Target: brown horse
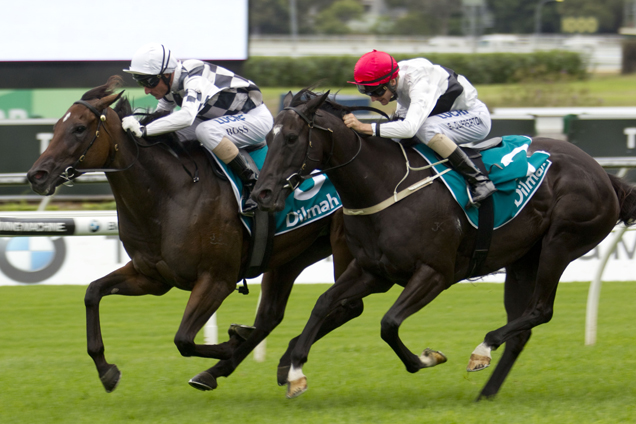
[[178, 233], [425, 242]]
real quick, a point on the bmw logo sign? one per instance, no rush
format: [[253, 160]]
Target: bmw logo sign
[[93, 227], [31, 259]]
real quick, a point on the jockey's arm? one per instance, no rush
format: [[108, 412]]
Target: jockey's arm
[[180, 119]]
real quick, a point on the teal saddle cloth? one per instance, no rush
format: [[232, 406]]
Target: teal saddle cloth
[[515, 174], [314, 199]]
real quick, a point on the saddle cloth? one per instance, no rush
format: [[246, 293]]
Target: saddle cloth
[[515, 175], [315, 198]]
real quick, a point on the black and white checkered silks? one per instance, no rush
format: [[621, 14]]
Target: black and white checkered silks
[[215, 103]]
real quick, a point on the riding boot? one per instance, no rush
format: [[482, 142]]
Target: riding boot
[[248, 177], [480, 186]]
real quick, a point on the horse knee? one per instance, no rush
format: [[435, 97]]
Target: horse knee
[[355, 307], [388, 328], [185, 346], [92, 297]]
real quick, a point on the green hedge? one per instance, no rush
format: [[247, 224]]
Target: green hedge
[[479, 68]]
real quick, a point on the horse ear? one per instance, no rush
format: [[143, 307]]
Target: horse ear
[[288, 98], [315, 103], [104, 102]]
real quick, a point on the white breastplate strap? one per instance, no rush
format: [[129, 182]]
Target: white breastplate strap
[[396, 197]]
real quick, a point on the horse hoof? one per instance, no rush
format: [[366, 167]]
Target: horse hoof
[[478, 363], [203, 381], [110, 379], [241, 331], [296, 388], [281, 375], [431, 357]]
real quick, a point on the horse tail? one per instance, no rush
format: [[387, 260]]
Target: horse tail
[[626, 194]]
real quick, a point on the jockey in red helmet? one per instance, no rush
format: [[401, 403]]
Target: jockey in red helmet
[[434, 104]]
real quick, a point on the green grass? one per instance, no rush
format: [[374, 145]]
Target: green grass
[[47, 377]]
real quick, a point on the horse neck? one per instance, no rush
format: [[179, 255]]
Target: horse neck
[[372, 176], [138, 188]]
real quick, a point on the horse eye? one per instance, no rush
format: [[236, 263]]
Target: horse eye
[[80, 129], [291, 138]]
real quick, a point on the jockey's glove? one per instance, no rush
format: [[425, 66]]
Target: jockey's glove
[[129, 123]]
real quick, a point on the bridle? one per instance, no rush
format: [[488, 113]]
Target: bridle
[[295, 179], [71, 172]]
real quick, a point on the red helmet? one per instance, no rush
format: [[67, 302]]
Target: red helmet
[[375, 68]]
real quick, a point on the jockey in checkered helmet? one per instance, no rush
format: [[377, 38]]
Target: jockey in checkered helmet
[[151, 63], [205, 102]]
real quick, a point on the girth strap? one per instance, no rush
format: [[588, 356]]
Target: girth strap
[[485, 224]]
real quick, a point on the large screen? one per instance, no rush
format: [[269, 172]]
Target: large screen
[[112, 30]]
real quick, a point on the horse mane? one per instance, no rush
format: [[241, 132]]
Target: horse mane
[[123, 108], [329, 105]]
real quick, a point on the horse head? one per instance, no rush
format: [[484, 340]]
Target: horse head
[[84, 138], [296, 146]]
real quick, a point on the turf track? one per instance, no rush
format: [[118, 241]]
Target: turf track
[[47, 377]]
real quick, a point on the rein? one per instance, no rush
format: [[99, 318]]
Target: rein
[[297, 177], [71, 172]]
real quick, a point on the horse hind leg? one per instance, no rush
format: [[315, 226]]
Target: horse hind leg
[[518, 289], [206, 297], [276, 287], [124, 281]]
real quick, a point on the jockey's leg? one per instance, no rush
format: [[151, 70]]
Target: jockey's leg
[[229, 154], [480, 185]]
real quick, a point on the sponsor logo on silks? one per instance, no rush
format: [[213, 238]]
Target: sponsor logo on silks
[[229, 118], [315, 198], [237, 130], [452, 114], [15, 226]]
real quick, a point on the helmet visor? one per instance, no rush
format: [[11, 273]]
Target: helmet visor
[[147, 81], [372, 90]]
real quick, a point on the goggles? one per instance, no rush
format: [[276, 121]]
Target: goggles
[[372, 90], [147, 81]]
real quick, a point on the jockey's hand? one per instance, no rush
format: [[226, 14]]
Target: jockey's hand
[[352, 122], [129, 123]]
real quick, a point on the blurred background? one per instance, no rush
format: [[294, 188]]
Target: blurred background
[[558, 68]]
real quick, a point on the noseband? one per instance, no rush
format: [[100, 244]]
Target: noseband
[[71, 172], [295, 179]]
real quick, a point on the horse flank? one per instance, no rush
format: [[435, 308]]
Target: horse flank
[[626, 199]]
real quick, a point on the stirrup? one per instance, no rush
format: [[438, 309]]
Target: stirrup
[[250, 208], [472, 203]]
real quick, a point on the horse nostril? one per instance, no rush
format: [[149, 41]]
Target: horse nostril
[[37, 175], [264, 194]]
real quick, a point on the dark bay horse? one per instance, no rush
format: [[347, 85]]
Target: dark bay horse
[[178, 233], [424, 243]]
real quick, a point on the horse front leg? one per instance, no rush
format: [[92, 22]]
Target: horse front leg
[[124, 281], [276, 287], [424, 286], [343, 314], [352, 286]]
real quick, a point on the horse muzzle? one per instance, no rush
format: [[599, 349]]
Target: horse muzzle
[[267, 201], [41, 182]]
